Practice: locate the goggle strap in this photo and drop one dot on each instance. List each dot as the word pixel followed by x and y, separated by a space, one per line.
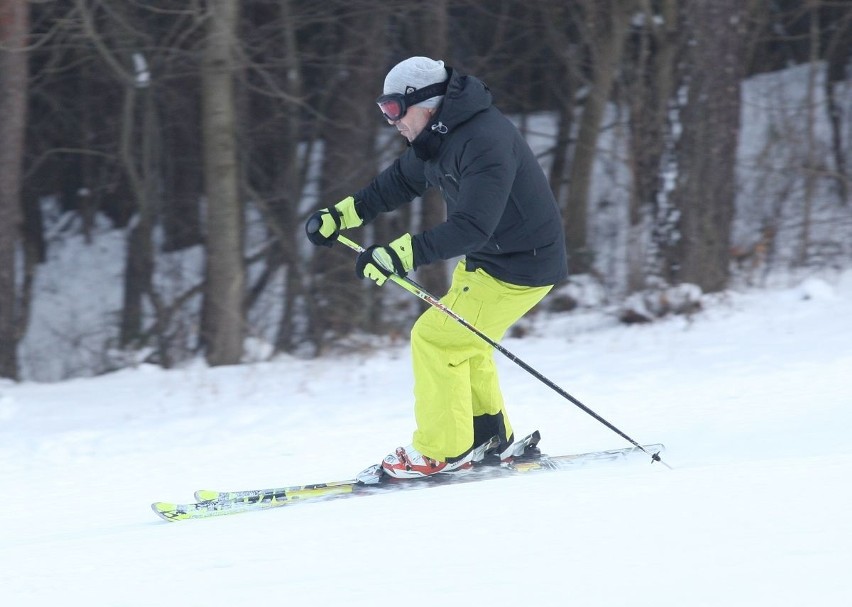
pixel 427 92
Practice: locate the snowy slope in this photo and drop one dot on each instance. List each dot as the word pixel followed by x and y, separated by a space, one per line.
pixel 753 398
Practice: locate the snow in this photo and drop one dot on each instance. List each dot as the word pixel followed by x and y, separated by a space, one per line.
pixel 751 396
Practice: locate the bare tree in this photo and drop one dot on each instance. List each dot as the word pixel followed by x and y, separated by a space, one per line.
pixel 838 56
pixel 705 184
pixel 224 294
pixel 120 47
pixel 810 162
pixel 559 32
pixel 606 25
pixel 13 104
pixel 650 85
pixel 348 130
pixel 280 143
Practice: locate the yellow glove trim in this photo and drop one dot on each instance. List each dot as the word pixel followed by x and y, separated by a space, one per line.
pixel 403 247
pixel 327 227
pixel 374 273
pixel 348 215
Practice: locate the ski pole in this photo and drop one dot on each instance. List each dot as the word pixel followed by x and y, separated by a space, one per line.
pixel 414 288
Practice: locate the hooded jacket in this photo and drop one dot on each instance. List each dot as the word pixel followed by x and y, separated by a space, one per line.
pixel 501 214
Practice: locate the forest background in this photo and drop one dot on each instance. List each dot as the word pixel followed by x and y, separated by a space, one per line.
pixel 196 136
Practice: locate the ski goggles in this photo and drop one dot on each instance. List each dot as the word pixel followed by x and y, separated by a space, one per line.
pixel 395 105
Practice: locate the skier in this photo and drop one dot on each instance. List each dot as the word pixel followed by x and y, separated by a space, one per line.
pixel 501 217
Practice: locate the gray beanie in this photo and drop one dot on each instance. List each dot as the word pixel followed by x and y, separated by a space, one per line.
pixel 415 73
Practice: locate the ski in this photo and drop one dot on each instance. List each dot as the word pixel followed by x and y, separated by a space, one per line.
pixel 527 446
pixel 372 481
pixel 250 500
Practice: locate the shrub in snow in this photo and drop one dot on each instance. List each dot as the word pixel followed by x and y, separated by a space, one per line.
pixel 657 302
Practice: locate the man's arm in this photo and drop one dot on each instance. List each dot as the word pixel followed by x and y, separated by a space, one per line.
pixel 401 182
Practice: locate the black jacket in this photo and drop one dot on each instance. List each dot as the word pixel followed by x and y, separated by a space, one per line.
pixel 501 214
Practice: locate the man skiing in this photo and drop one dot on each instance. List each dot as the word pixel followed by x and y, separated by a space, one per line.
pixel 501 217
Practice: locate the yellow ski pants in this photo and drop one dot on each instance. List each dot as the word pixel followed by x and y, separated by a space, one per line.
pixel 455 377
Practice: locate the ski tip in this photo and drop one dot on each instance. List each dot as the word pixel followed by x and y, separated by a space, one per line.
pixel 167 511
pixel 206 495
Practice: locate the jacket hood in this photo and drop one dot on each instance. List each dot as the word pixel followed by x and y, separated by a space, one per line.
pixel 466 97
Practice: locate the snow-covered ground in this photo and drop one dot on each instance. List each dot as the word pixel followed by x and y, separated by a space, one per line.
pixel 752 396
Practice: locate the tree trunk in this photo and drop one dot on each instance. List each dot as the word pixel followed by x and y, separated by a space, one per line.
pixel 652 84
pixel 288 184
pixel 810 163
pixel 556 20
pixel 705 185
pixel 558 168
pixel 607 24
pixel 224 315
pixel 182 186
pixel 837 58
pixel 137 156
pixel 14 17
